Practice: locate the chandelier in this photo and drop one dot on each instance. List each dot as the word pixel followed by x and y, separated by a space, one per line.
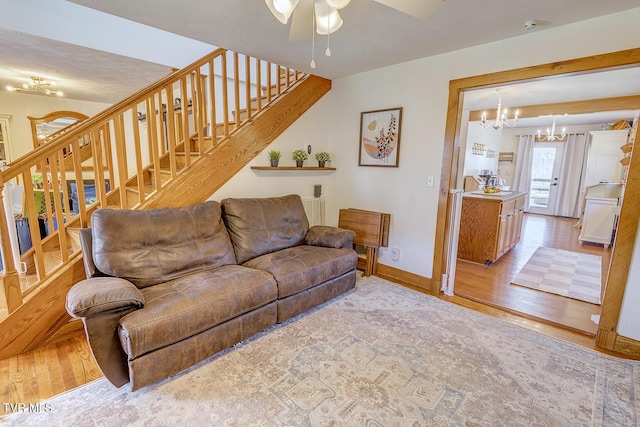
pixel 551 133
pixel 37 85
pixel 501 118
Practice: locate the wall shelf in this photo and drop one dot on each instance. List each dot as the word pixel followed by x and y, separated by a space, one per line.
pixel 291 168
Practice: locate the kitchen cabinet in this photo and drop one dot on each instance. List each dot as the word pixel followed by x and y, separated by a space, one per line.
pixel 490 225
pixel 603 164
pixel 600 215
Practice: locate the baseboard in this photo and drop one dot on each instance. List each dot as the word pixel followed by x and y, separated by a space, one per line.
pixel 627 346
pixel 404 277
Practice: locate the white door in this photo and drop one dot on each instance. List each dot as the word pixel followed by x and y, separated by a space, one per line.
pixel 545 172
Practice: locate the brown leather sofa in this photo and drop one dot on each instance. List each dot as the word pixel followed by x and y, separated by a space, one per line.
pixel 167 288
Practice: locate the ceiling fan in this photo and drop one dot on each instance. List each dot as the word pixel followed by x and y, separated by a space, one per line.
pixel 326 18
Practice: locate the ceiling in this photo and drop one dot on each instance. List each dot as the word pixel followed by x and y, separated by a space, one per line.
pixel 373 36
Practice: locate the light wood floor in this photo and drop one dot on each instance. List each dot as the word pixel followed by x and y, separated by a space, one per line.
pixel 46 372
pixel 491 284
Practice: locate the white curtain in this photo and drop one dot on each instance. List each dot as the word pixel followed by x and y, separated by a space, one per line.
pixel 574 162
pixel 522 178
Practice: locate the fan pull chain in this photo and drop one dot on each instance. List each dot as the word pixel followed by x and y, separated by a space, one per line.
pixel 313 40
pixel 328 51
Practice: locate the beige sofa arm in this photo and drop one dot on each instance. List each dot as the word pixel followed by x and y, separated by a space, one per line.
pixel 330 237
pixel 102 294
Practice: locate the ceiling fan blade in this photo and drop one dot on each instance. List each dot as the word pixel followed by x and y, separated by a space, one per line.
pixel 418 8
pixel 301 21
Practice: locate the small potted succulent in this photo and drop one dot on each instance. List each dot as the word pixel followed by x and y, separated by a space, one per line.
pixel 274 158
pixel 322 157
pixel 299 156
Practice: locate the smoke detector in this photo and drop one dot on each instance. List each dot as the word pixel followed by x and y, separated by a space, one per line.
pixel 530 24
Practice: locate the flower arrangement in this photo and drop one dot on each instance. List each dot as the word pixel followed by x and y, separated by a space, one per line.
pixel 299 155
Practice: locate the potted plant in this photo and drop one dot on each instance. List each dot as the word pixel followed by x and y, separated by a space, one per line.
pixel 322 157
pixel 274 157
pixel 299 156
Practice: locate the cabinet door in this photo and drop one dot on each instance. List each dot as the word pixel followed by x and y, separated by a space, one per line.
pixel 518 216
pixel 599 219
pixel 503 235
pixel 603 164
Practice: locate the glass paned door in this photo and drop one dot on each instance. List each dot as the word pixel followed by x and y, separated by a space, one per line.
pixel 545 170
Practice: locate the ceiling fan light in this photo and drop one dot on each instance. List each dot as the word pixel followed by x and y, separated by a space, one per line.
pixel 282 9
pixel 328 19
pixel 338 4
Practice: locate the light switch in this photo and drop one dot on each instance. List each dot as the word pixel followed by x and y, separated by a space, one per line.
pixel 430 181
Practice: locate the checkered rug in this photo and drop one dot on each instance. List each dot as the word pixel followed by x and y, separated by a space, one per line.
pixel 566 273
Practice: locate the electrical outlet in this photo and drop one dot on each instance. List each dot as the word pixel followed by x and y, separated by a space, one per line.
pixel 395 254
pixel 430 181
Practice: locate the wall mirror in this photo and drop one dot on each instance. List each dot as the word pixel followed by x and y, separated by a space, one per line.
pixel 45 128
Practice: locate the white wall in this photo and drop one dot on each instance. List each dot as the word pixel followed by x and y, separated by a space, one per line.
pixel 19 106
pixel 311 129
pixel 629 322
pixel 491 139
pixel 421 88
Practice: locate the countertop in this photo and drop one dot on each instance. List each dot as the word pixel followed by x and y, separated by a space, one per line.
pixel 501 196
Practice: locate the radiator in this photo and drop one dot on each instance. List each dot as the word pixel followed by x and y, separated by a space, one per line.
pixel 314 208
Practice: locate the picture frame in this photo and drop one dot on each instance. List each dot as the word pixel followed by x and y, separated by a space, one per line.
pixel 380 137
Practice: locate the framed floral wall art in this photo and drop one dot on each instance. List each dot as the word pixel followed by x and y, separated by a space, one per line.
pixel 380 137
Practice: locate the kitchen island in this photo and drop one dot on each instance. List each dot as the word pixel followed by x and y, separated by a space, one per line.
pixel 490 225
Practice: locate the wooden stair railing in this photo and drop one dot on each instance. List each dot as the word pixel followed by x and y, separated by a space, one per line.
pixel 142 154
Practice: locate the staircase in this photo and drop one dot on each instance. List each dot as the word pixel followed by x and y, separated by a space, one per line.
pixel 172 144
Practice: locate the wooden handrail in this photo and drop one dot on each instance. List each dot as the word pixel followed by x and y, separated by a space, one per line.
pixel 126 154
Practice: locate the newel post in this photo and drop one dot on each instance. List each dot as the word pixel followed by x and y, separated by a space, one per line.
pixel 10 278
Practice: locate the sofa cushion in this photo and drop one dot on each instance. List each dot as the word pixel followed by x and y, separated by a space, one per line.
pixel 189 305
pixel 302 267
pixel 153 246
pixel 260 226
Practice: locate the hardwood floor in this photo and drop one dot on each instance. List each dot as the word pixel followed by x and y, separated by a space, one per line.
pixel 48 371
pixel 491 284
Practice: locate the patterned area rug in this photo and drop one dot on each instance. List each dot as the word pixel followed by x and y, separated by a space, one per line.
pixel 381 355
pixel 566 273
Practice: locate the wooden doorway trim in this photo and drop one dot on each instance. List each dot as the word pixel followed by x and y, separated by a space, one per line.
pixel 621 257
